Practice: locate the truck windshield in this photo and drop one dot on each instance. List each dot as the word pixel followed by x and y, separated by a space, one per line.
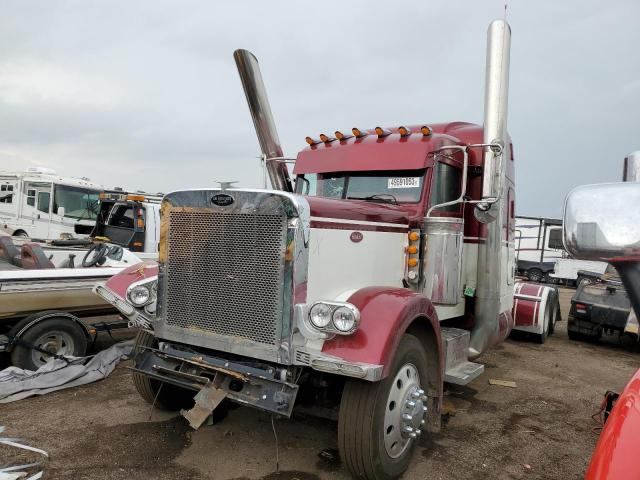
pixel 404 186
pixel 80 203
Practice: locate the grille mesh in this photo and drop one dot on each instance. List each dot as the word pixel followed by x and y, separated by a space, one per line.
pixel 224 273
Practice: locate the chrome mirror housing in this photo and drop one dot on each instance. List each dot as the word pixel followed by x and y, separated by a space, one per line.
pixel 602 222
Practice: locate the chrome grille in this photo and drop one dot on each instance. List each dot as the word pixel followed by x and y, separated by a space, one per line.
pixel 224 274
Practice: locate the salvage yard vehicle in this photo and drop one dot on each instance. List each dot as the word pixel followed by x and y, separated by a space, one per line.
pixel 599 305
pixel 541 256
pixel 41 204
pixel 600 226
pixel 46 288
pixel 383 270
pixel 44 298
pixel 131 220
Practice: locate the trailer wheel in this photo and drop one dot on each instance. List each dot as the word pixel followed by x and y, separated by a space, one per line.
pixel 57 335
pixel 160 394
pixel 20 233
pixel 379 422
pixel 534 274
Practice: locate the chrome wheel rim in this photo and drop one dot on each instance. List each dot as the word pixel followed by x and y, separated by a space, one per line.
pixel 404 411
pixel 56 342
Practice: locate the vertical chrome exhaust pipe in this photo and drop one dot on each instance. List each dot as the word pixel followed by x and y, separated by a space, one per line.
pixel 631 171
pixel 256 94
pixel 489 328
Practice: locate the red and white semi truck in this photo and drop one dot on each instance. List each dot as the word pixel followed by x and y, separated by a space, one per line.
pixel 383 269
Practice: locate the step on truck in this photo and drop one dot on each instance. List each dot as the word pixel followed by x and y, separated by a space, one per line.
pixel 384 268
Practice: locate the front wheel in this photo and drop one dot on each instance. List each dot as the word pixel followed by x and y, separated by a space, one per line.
pixel 379 422
pixel 159 394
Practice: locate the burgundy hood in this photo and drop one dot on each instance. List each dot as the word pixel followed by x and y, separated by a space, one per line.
pixel 363 210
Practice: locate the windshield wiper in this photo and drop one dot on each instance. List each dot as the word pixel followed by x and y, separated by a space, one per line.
pixel 380 197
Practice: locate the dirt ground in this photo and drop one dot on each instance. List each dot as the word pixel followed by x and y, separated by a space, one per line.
pixel 541 429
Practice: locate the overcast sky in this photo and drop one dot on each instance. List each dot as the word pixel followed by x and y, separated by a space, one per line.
pixel 145 94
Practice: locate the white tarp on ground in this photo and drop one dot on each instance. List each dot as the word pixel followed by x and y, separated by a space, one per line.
pixel 16 383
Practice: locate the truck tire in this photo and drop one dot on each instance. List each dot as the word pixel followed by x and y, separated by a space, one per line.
pixel 159 394
pixel 555 310
pixel 375 417
pixel 20 233
pixel 534 274
pixel 542 337
pixel 59 335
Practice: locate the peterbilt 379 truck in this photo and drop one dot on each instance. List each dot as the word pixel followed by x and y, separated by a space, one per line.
pixel 382 269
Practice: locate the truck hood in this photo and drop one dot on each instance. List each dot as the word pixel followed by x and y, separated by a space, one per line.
pixel 362 210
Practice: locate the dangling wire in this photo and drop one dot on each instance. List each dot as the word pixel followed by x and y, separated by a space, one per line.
pixel 275 434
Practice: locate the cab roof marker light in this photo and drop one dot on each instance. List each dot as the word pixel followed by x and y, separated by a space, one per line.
pixel 404 131
pixel 342 136
pixel 326 139
pixel 359 133
pixel 426 131
pixel 382 132
pixel 311 141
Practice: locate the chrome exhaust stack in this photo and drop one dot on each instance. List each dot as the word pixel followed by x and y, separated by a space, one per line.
pixel 491 274
pixel 256 94
pixel 631 171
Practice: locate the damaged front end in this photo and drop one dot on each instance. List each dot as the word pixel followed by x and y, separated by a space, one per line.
pixel 259 385
pixel 133 292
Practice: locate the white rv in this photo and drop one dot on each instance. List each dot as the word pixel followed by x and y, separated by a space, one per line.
pixel 540 252
pixel 38 203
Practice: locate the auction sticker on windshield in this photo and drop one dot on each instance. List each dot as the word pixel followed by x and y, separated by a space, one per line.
pixel 404 182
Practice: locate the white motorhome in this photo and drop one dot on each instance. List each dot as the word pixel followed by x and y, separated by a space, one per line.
pixel 38 203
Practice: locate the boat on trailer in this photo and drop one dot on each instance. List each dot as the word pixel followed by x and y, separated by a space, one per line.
pixel 45 292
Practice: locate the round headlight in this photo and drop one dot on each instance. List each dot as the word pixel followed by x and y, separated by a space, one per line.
pixel 320 315
pixel 139 295
pixel 344 319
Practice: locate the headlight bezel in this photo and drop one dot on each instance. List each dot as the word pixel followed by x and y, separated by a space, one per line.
pixel 147 284
pixel 331 327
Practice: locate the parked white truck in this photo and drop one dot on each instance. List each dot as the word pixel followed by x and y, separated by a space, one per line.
pixel 39 203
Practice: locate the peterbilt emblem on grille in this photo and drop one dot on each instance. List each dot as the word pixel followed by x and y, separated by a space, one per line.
pixel 222 200
pixel 356 237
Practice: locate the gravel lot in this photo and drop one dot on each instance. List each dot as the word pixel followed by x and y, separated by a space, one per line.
pixel 541 429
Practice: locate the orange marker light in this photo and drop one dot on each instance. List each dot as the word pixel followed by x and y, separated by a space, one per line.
pixel 358 133
pixel 404 131
pixel 324 138
pixel 426 131
pixel 414 236
pixel 412 249
pixel 412 262
pixel 382 132
pixel 310 141
pixel 339 135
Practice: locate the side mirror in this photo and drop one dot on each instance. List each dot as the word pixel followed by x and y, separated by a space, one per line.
pixel 602 222
pixel 60 211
